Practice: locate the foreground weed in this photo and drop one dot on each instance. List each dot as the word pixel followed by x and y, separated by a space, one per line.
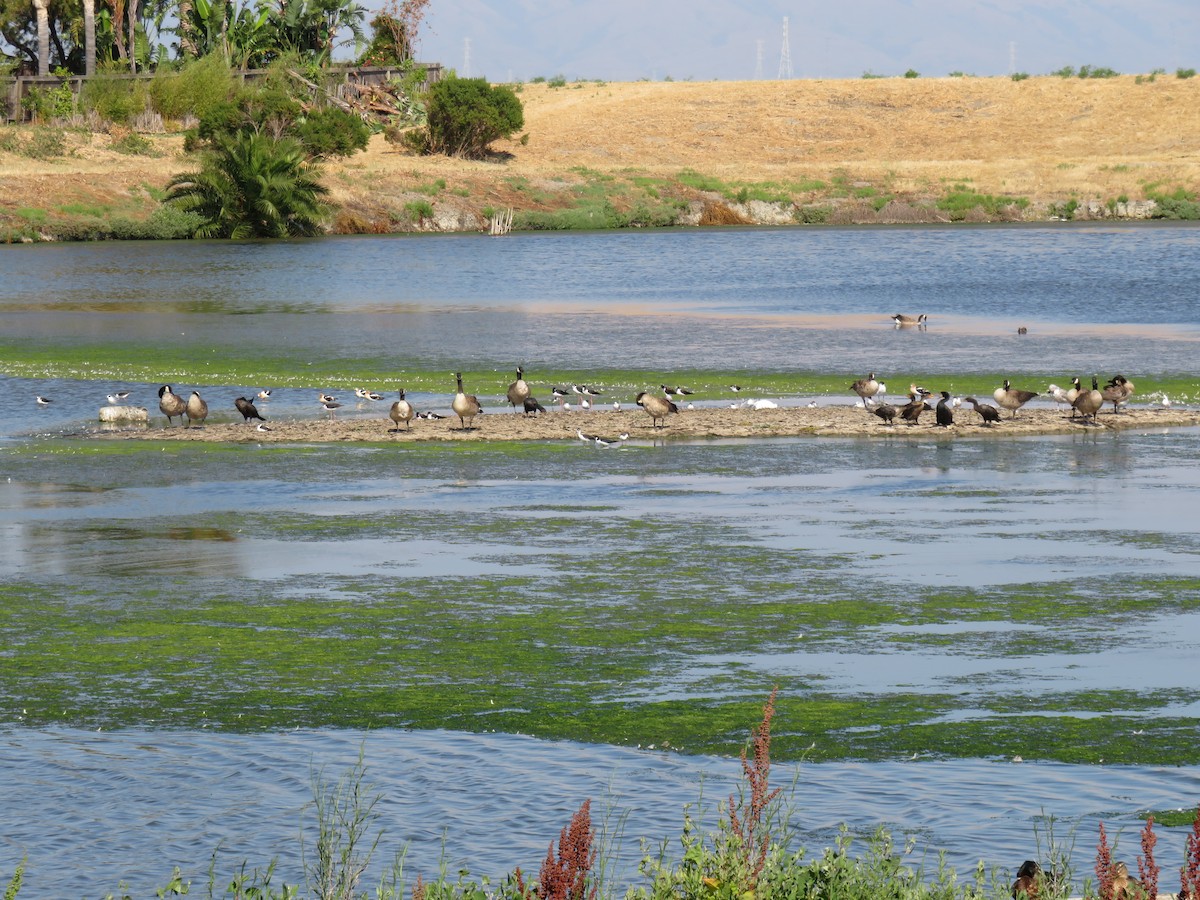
pixel 346 817
pixel 1189 875
pixel 14 883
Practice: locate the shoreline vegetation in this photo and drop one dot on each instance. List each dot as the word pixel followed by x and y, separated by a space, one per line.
pixel 596 155
pixel 750 851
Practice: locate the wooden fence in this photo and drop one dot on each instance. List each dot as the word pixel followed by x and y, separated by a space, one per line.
pixel 338 78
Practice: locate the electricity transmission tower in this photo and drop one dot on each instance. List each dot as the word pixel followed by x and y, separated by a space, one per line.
pixel 785 54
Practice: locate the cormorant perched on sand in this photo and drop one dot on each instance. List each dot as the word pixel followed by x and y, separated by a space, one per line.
pixel 887 412
pixel 532 407
pixel 945 416
pixel 247 409
pixel 986 411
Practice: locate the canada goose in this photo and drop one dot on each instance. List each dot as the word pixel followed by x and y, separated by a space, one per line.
pixel 887 412
pixel 43 401
pixel 118 398
pixel 1089 402
pixel 518 390
pixel 1073 394
pixel 945 416
pixel 330 406
pixel 532 407
pixel 170 404
pixel 247 409
pixel 1117 391
pixel 1010 398
pixel 675 391
pixel 986 411
pixel 196 409
pixel 911 412
pixel 866 388
pixel 402 411
pixel 903 321
pixel 658 408
pixel 465 406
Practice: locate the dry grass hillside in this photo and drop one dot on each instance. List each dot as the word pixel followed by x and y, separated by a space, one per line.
pixel 862 145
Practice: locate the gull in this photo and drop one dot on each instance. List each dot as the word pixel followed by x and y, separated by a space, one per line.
pixel 1166 401
pixel 118 398
pixel 616 406
pixel 764 404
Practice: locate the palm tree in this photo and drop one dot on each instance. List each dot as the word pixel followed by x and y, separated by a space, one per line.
pixel 252 185
pixel 42 9
pixel 89 37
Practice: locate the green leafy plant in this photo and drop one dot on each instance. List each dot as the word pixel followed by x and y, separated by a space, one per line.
pixel 912 73
pixel 1019 76
pixel 330 132
pixel 464 116
pixel 1065 72
pixel 14 883
pixel 347 832
pixel 1185 73
pixel 252 185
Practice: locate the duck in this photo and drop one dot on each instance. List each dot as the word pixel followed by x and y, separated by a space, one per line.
pixel 518 390
pixel 1118 390
pixel 986 411
pixel 887 412
pixel 866 388
pixel 658 408
pixel 911 412
pixel 402 411
pixel 903 321
pixel 1088 403
pixel 247 409
pixel 1011 398
pixel 945 416
pixel 532 407
pixel 196 409
pixel 1030 881
pixel 465 406
pixel 170 403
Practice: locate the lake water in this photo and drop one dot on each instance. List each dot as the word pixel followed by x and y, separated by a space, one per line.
pixel 903 518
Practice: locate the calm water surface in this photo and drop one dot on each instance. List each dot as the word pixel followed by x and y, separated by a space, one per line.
pixel 90 809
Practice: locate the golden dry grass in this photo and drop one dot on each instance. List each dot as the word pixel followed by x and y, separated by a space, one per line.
pixel 1044 139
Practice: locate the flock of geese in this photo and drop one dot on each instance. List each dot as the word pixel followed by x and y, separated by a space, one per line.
pixel 1083 402
pixel 871 393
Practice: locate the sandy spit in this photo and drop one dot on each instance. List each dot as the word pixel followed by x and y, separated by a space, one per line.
pixel 830 421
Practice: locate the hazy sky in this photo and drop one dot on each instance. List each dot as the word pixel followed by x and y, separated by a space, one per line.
pixel 627 40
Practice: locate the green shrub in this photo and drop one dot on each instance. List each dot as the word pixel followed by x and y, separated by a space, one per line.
pixel 9 142
pixel 869 74
pixel 1019 76
pixel 331 132
pixel 538 79
pixel 1180 204
pixel 194 89
pixel 466 114
pixel 419 210
pixel 1097 72
pixel 1064 211
pixel 134 144
pixel 434 188
pixel 961 199
pixel 912 73
pixel 813 215
pixel 1185 73
pixel 557 81
pixel 113 99
pixel 45 104
pixel 1065 72
pixel 45 143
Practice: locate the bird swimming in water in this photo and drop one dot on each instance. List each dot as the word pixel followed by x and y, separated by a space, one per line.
pixel 945 416
pixel 196 409
pixel 170 403
pixel 43 401
pixel 658 408
pixel 247 409
pixel 264 394
pixel 903 321
pixel 986 411
pixel 465 406
pixel 402 411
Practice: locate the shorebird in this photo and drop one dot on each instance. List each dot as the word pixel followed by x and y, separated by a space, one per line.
pixel 262 427
pixel 327 398
pixel 264 395
pixel 373 396
pixel 518 390
pixel 118 398
pixel 402 411
pixel 559 394
pixel 465 406
pixel 330 406
pixel 616 406
pixel 866 388
pixel 196 409
pixel 170 403
pixel 1011 398
pixel 43 401
pixel 612 442
pixel 675 391
pixel 987 412
pixel 658 408
pixel 736 388
pixel 586 438
pixel 247 409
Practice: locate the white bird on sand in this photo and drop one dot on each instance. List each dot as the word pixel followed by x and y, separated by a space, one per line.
pixel 262 427
pixel 812 404
pixel 616 406
pixel 764 404
pixel 1166 401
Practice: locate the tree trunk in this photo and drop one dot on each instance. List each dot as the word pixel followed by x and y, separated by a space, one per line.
pixel 89 37
pixel 187 45
pixel 42 8
pixel 132 12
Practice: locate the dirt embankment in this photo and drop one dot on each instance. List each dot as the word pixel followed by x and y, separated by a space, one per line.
pixel 861 150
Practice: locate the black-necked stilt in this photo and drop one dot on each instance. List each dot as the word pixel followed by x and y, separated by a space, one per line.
pixel 586 438
pixel 247 409
pixel 675 391
pixel 658 408
pixel 430 414
pixel 589 391
pixel 612 442
pixel 736 388
pixel 196 409
pixel 170 403
pixel 1010 398
pixel 43 401
pixel 559 394
pixel 465 406
pixel 402 411
pixel 330 406
pixel 518 391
